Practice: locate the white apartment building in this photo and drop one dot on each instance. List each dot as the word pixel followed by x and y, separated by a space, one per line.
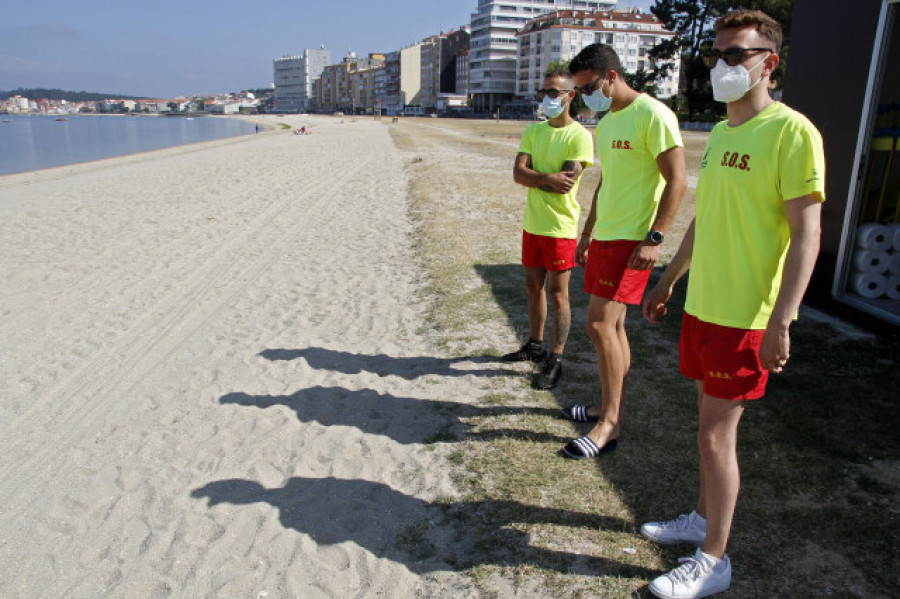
pixel 294 76
pixel 402 80
pixel 559 36
pixel 493 45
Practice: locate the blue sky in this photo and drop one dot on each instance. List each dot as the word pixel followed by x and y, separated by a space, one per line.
pixel 167 49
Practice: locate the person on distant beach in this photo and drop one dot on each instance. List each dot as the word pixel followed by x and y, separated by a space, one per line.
pixel 751 250
pixel 551 158
pixel 642 182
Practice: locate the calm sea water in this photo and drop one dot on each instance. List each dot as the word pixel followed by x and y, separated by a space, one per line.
pixel 34 142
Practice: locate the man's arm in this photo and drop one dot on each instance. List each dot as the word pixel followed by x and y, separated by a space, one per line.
pixel 655 302
pixel 804 219
pixel 524 174
pixel 585 240
pixel 671 167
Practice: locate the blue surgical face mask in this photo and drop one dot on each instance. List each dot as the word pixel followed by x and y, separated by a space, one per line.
pixel 552 107
pixel 597 101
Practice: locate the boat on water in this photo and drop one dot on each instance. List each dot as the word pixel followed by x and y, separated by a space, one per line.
pixel 62 119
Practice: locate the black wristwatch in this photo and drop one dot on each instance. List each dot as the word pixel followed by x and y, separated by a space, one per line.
pixel 655 237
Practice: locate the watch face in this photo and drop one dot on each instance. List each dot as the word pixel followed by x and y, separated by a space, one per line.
pixel 655 236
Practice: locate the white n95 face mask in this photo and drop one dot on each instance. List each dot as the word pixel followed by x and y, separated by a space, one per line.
pixel 731 83
pixel 552 107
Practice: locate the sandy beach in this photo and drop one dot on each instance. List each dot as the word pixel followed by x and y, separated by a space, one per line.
pixel 215 378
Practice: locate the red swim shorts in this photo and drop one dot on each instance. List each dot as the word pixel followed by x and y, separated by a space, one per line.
pixel 551 253
pixel 607 275
pixel 724 358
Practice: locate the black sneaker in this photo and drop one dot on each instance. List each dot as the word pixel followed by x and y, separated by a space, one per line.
pixel 532 350
pixel 548 375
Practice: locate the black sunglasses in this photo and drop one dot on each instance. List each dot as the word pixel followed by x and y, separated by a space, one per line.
pixel 732 56
pixel 552 92
pixel 588 89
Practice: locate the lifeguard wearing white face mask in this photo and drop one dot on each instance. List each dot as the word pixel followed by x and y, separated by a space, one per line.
pixel 732 83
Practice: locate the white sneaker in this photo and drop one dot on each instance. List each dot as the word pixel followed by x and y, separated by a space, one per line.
pixel 698 576
pixel 686 528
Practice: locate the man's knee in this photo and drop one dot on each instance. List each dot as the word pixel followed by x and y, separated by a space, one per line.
pixel 715 444
pixel 599 329
pixel 560 299
pixel 534 286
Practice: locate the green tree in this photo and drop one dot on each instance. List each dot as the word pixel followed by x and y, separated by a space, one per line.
pixel 692 21
pixel 643 80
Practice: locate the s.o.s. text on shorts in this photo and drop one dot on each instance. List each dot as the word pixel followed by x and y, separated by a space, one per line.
pixel 551 253
pixel 726 359
pixel 607 275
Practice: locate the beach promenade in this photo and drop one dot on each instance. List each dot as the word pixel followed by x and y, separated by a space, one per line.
pixel 215 381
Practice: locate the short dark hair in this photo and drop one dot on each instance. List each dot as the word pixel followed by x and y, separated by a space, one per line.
pixel 557 72
pixel 598 58
pixel 763 23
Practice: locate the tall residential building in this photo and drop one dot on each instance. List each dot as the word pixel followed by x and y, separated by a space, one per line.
pixel 559 36
pixel 462 72
pixel 439 55
pixel 402 79
pixel 336 89
pixel 492 60
pixel 429 75
pixel 294 76
pixel 363 84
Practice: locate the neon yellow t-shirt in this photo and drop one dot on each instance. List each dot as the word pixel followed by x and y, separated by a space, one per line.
pixel 741 235
pixel 547 213
pixel 628 142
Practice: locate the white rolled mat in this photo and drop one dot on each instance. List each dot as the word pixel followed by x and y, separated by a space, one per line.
pixel 893 287
pixel 873 236
pixel 871 261
pixel 894 263
pixel 869 285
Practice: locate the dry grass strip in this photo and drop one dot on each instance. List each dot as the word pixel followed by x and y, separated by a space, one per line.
pixel 820 456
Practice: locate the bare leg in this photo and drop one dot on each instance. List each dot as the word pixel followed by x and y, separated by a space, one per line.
pixel 562 312
pixel 720 475
pixel 606 328
pixel 701 500
pixel 537 301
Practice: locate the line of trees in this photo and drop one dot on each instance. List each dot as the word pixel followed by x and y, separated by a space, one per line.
pixel 37 93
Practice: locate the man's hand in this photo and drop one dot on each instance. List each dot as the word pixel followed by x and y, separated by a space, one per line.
pixel 644 256
pixel 561 182
pixel 654 306
pixel 775 348
pixel 581 251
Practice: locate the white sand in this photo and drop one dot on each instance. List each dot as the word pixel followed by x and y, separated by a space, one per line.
pixel 214 381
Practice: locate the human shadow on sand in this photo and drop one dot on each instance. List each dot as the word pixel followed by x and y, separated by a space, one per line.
pixel 423 536
pixel 321 358
pixel 403 419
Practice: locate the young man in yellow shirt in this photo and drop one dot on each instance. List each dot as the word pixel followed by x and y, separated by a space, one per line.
pixel 551 157
pixel 642 182
pixel 751 251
